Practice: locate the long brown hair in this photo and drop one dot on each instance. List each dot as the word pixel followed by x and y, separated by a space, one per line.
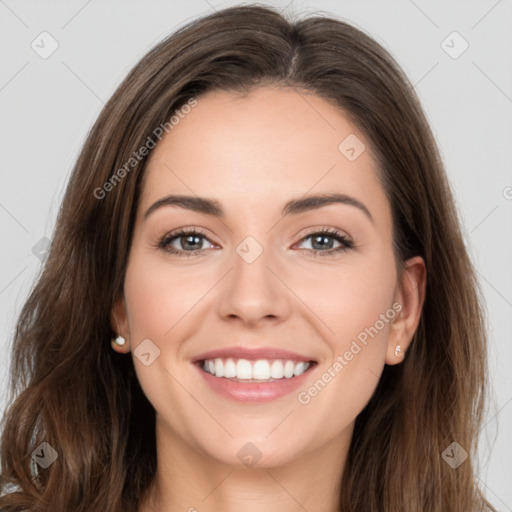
pixel 70 390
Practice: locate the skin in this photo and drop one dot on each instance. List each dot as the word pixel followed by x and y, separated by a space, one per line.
pixel 253 154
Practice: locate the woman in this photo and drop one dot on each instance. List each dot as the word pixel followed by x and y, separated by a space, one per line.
pixel 322 345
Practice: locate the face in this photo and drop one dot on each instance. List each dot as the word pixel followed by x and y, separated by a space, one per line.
pixel 317 281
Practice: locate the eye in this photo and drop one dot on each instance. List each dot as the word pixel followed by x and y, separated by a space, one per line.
pixel 190 242
pixel 322 242
pixel 185 239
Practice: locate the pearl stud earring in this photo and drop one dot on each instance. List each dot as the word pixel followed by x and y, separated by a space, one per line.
pixel 119 341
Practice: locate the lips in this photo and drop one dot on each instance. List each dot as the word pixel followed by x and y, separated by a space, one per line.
pixel 288 370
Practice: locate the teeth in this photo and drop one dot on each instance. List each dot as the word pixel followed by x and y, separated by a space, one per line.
pixel 299 368
pixel 219 368
pixel 277 370
pixel 261 369
pixel 288 369
pixel 229 369
pixel 243 369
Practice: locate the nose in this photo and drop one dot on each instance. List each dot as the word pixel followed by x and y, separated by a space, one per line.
pixel 253 292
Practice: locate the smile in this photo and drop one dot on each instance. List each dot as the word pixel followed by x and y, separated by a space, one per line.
pixel 262 380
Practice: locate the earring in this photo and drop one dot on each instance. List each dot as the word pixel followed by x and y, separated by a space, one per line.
pixel 119 341
pixel 397 351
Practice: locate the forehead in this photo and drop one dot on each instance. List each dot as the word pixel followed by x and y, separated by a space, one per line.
pixel 259 149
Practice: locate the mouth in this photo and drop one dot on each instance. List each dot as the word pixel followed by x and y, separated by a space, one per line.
pixel 251 381
pixel 254 371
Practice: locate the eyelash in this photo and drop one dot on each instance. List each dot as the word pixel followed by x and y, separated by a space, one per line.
pixel 346 244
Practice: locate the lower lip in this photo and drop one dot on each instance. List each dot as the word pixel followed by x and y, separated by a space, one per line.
pixel 254 391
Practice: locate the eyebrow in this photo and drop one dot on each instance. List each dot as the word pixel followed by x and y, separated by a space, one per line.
pixel 292 207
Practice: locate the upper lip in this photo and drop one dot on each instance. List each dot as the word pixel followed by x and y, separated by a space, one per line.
pixel 252 354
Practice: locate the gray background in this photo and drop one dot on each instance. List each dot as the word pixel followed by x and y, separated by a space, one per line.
pixel 48 105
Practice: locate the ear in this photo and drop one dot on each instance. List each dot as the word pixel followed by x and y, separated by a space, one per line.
pixel 119 324
pixel 409 298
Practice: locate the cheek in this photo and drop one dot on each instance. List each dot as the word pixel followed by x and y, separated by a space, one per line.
pixel 348 297
pixel 160 295
pixel 160 304
pixel 363 298
pixel 355 303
